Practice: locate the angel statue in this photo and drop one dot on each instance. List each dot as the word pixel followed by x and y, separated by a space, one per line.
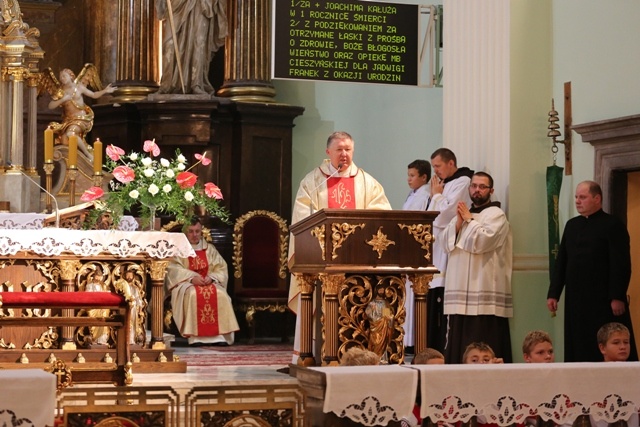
pixel 68 93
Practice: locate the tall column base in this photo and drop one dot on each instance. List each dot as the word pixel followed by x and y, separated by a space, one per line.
pixel 22 194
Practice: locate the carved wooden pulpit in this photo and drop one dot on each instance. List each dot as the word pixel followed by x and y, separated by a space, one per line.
pixel 362 258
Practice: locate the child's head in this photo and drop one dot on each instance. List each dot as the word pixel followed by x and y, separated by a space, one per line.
pixel 357 356
pixel 538 348
pixel 418 173
pixel 478 352
pixel 614 342
pixel 430 356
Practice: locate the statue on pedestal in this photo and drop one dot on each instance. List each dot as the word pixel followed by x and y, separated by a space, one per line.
pixel 380 317
pixel 68 93
pixel 193 31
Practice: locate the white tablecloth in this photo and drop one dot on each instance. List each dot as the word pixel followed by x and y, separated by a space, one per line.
pixel 370 395
pixel 29 221
pixel 55 241
pixel 509 393
pixel 29 395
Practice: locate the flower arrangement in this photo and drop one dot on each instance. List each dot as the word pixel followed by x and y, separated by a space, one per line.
pixel 155 185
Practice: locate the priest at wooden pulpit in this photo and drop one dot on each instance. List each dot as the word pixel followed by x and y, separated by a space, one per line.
pixel 336 184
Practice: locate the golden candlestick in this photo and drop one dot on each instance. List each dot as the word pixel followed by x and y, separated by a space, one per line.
pixel 97 179
pixel 48 170
pixel 72 173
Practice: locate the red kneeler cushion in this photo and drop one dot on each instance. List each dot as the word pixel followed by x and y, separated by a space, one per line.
pixel 60 299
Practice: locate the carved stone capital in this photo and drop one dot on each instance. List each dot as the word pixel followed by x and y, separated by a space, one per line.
pixel 420 283
pixel 332 282
pixel 158 269
pixel 306 282
pixel 69 268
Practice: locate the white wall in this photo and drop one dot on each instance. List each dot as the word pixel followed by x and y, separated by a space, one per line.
pixel 391 125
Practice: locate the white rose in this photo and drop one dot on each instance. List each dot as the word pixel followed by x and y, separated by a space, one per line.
pixel 165 163
pixel 188 196
pixel 148 173
pixel 134 194
pixel 181 159
pixel 181 166
pixel 170 173
pixel 166 188
pixel 153 189
pixel 133 156
pixel 147 161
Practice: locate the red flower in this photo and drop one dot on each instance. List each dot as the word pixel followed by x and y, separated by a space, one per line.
pixel 114 152
pixel 93 193
pixel 124 174
pixel 151 147
pixel 186 179
pixel 203 159
pixel 212 191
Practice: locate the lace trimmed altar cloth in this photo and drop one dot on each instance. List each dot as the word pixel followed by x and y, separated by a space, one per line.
pixel 27 397
pixel 28 221
pixel 156 244
pixel 509 393
pixel 370 395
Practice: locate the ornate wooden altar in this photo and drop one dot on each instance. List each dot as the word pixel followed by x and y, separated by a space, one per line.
pixel 54 259
pixel 360 258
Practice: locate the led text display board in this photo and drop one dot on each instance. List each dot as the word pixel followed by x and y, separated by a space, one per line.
pixel 345 40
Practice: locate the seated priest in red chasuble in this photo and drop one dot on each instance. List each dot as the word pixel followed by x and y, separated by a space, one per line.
pixel 201 307
pixel 336 184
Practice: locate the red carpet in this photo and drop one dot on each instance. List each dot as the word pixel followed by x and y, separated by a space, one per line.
pixel 240 355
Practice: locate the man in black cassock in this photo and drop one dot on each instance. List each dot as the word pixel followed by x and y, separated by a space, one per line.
pixel 594 265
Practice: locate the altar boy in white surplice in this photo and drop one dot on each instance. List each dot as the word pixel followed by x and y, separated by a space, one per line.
pixel 418 175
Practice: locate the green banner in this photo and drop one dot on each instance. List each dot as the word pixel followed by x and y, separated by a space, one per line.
pixel 554 182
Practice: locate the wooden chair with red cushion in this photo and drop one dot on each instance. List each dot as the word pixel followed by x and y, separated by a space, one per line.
pixel 260 245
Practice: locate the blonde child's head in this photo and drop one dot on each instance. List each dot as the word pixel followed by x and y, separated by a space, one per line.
pixel 614 341
pixel 430 356
pixel 537 347
pixel 479 352
pixel 357 356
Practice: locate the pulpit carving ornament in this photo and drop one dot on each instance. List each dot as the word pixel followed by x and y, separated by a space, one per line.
pixel 318 233
pixel 354 296
pixel 340 233
pixel 420 282
pixel 422 234
pixel 380 242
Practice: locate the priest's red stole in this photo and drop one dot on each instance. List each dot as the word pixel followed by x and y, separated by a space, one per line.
pixel 341 193
pixel 206 297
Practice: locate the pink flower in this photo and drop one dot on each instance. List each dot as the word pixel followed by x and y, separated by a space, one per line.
pixel 114 152
pixel 151 147
pixel 91 194
pixel 124 174
pixel 213 191
pixel 186 179
pixel 203 159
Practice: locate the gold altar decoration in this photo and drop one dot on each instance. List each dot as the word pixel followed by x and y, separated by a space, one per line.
pixel 422 234
pixel 380 242
pixel 340 233
pixel 356 294
pixel 68 93
pixel 318 233
pixel 352 277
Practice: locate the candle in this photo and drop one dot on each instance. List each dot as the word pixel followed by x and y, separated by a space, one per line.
pixel 48 145
pixel 73 150
pixel 97 156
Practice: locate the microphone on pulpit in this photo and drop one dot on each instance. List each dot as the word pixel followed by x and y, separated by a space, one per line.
pixel 311 210
pixel 55 201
